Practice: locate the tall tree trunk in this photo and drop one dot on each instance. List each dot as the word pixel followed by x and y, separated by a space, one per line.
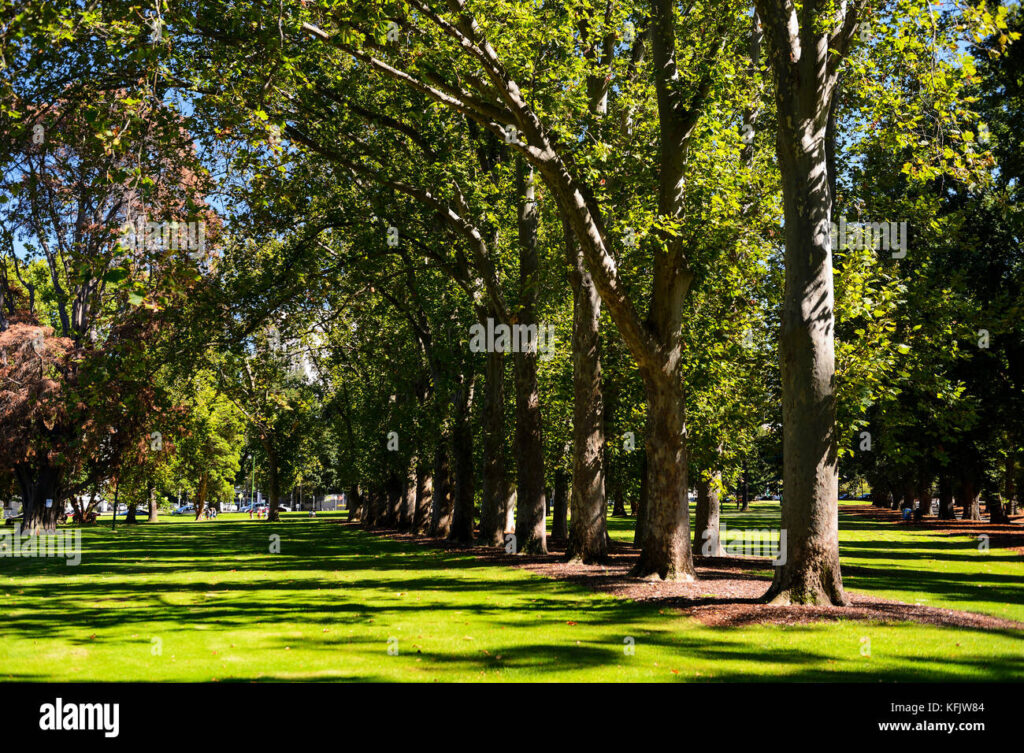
pixel 510 510
pixel 200 494
pixel 618 499
pixel 810 573
pixel 424 498
pixel 707 517
pixel 996 511
pixel 588 532
pixel 641 509
pixel 560 505
pixel 969 498
pixel 665 535
pixel 495 491
pixel 924 495
pixel 806 48
pixel 408 509
pixel 879 491
pixel 273 482
pixel 130 517
pixel 354 501
pixel 1010 481
pixel 444 496
pixel 531 524
pixel 946 509
pixel 154 508
pixel 745 489
pixel 395 495
pixel 38 485
pixel 378 504
pixel 464 510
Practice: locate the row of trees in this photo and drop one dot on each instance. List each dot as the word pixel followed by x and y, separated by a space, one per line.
pixel 658 183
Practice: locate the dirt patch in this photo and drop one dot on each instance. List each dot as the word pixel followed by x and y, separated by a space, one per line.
pixel 727 591
pixel 1000 535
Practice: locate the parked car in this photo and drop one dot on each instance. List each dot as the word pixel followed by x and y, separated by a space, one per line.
pixel 185 510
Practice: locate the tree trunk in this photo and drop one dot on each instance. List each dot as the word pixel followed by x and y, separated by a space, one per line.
pixel 946 509
pixel 641 509
pixel 495 491
pixel 395 495
pixel 354 501
pixel 531 523
pixel 560 505
pixel 588 532
pixel 464 510
pixel 618 500
pixel 970 499
pixel 745 489
pixel 408 509
pixel 201 495
pixel 376 513
pixel 996 511
pixel 1010 481
pixel 706 529
pixel 424 498
pixel 154 507
pixel 444 499
pixel 810 573
pixel 274 483
pixel 510 511
pixel 924 496
pixel 37 486
pixel 665 535
pixel 879 492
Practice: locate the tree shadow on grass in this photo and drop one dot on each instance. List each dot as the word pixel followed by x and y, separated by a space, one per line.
pixel 129 580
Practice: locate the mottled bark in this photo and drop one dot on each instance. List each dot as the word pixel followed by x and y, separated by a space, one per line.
pixel 395 497
pixel 495 481
pixel 588 532
pixel 641 509
pixel 464 510
pixel 510 511
pixel 810 573
pixel 531 528
pixel 154 508
pixel 443 500
pixel 424 499
pixel 707 517
pixel 665 535
pixel 407 512
pixel 354 501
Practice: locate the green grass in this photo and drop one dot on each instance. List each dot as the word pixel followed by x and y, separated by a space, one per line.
pixel 219 606
pixel 903 562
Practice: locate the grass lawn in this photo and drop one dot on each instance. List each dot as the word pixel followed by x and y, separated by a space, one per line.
pixel 189 601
